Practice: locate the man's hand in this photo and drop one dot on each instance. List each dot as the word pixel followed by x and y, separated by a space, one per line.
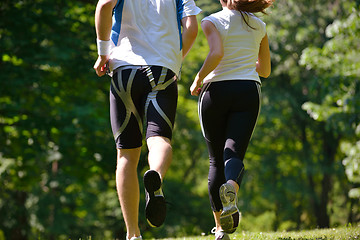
pixel 100 65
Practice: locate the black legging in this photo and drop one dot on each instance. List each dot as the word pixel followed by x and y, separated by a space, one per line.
pixel 228 113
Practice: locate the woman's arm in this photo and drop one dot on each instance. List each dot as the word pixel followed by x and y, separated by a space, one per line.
pixel 214 56
pixel 263 65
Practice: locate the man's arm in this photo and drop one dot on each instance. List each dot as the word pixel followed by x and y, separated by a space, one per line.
pixel 189 33
pixel 103 18
pixel 103 23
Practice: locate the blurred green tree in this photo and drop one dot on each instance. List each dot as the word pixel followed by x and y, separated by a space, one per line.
pixel 300 167
pixel 337 63
pixel 57 156
pixel 53 111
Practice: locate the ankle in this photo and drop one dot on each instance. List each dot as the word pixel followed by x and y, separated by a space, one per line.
pixel 219 228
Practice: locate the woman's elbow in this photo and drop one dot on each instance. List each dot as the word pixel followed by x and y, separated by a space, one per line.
pixel 263 70
pixel 217 52
pixel 265 74
pixel 218 55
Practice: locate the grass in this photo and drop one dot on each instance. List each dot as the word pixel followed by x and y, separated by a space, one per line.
pixel 343 233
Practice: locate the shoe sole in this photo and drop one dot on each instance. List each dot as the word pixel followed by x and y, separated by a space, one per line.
pixel 155 209
pixel 230 216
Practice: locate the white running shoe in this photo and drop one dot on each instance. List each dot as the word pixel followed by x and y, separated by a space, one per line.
pixel 134 238
pixel 230 215
pixel 220 235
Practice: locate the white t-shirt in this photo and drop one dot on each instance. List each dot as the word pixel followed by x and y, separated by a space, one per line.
pixel 148 32
pixel 241 46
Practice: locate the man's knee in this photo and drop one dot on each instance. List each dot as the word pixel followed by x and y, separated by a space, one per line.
pixel 158 142
pixel 128 157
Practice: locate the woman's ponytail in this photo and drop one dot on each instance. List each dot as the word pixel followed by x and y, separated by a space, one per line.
pixel 248 6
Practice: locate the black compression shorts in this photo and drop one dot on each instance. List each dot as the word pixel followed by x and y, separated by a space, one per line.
pixel 138 93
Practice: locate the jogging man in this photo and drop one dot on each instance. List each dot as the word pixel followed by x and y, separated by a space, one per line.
pixel 142 44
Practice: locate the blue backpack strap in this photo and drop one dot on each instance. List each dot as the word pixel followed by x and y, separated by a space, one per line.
pixel 117 16
pixel 179 11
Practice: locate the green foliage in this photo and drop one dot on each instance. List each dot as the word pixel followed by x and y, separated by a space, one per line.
pixel 57 155
pixel 208 6
pixel 54 161
pixel 299 158
pixel 337 62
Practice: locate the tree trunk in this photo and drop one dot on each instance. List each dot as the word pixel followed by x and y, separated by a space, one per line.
pixel 330 146
pixel 21 229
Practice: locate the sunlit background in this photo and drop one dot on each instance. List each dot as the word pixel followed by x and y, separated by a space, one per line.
pixel 57 154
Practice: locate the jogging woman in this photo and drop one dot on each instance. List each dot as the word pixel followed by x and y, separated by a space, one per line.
pixel 229 100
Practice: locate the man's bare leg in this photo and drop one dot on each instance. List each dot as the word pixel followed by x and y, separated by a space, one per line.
pixel 160 154
pixel 127 185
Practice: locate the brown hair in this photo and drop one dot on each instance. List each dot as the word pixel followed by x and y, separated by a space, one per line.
pixel 248 6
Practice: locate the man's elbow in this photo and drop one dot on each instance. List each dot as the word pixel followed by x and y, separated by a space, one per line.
pixel 192 31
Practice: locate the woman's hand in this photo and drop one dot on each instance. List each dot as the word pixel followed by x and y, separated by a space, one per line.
pixel 196 86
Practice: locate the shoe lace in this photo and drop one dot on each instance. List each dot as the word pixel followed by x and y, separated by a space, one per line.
pixel 213 231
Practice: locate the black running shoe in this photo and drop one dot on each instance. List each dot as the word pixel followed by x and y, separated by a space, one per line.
pixel 155 209
pixel 230 215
